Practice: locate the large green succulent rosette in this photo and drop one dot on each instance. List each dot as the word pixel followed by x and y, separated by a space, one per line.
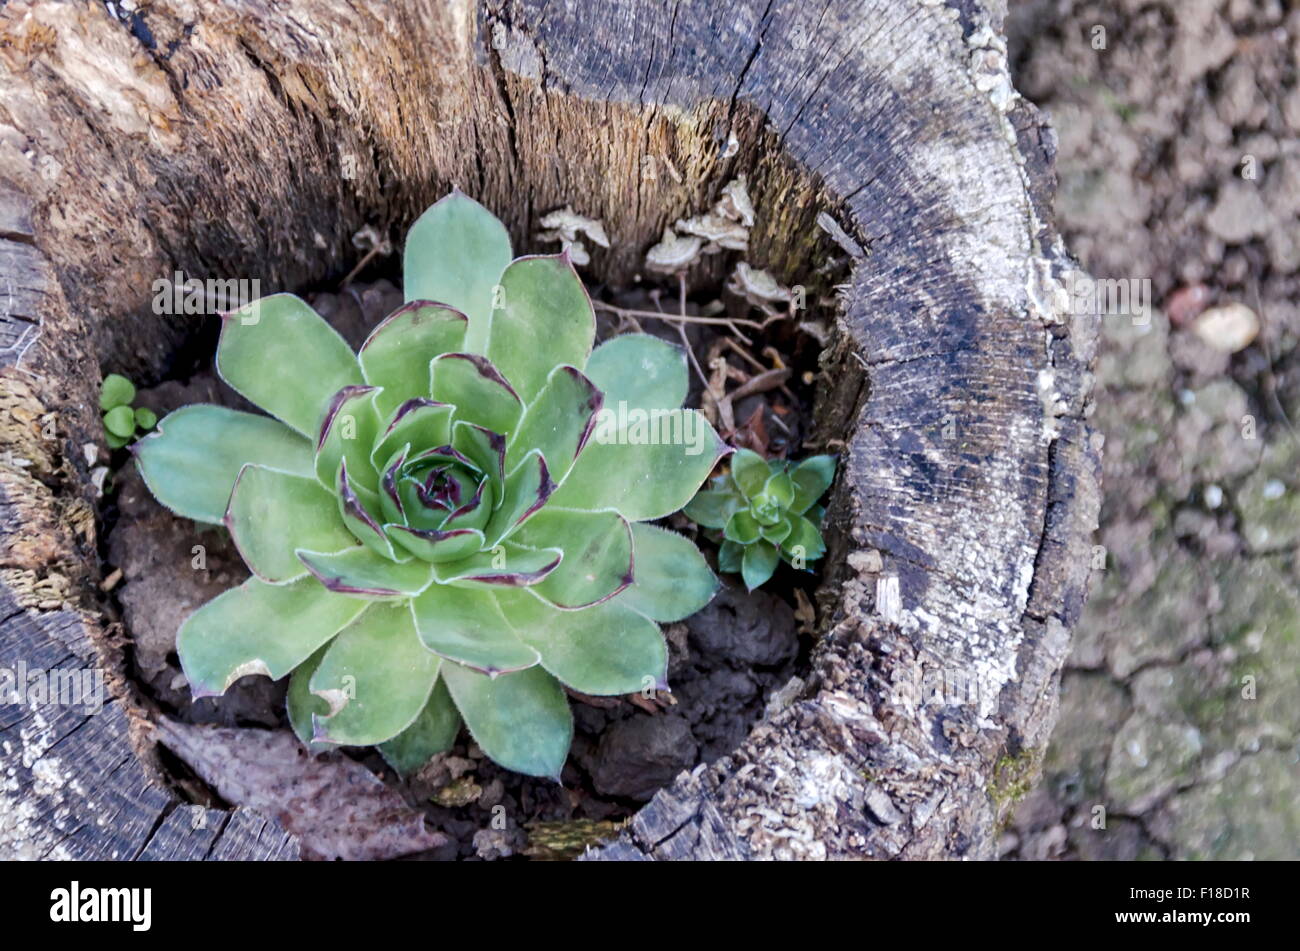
pixel 452 523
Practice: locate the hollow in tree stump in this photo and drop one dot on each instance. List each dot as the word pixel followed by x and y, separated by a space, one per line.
pixel 255 138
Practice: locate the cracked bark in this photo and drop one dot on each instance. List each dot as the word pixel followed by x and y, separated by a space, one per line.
pixel 248 142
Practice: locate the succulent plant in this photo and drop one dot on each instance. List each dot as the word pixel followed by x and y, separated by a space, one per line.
pixel 451 523
pixel 766 512
pixel 121 421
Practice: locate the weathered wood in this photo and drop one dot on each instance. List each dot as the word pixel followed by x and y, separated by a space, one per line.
pixel 72 782
pixel 73 786
pixel 253 140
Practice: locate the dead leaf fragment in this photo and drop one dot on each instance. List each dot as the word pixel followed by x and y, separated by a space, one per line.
pixel 735 203
pixel 673 253
pixel 805 613
pixel 756 286
pixel 568 223
pixel 719 231
pixel 565 225
pixel 335 807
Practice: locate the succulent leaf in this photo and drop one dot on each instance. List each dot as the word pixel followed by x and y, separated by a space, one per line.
pixel 376 677
pixel 640 371
pixel 433 732
pixel 575 645
pixel 597 561
pixel 812 477
pixel 760 560
pixel 777 531
pixel 465 625
pixel 274 513
pixel 504 566
pixel 673 580
pixel 359 572
pixel 396 355
pixel 713 508
pixel 190 462
pixel 642 480
pixel 477 389
pixel 804 540
pixel 779 489
pixel 484 448
pixel 455 253
pixel 750 472
pixel 521 720
pixel 259 628
pixel 348 431
pixel 283 356
pixel 764 509
pixel 115 391
pixel 731 556
pixel 436 545
pixel 475 512
pixel 356 507
pixel 742 528
pixel 557 422
pixel 527 489
pixel 415 422
pixel 120 421
pixel 543 319
pixel 301 703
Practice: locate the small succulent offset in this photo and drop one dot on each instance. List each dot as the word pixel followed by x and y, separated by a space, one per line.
pixel 437 527
pixel 121 421
pixel 766 511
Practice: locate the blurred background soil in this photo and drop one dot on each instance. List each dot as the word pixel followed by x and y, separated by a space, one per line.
pixel 1179 163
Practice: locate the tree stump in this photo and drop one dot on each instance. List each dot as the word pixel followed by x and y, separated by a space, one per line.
pixel 255 138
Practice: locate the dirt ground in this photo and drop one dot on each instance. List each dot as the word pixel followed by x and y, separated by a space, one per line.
pixel 1179 167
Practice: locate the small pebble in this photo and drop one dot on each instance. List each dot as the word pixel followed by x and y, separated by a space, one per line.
pixel 1187 303
pixel 867 561
pixel 1228 329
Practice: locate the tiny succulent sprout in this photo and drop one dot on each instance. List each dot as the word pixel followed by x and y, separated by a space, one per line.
pixel 433 535
pixel 116 391
pixel 765 511
pixel 121 422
